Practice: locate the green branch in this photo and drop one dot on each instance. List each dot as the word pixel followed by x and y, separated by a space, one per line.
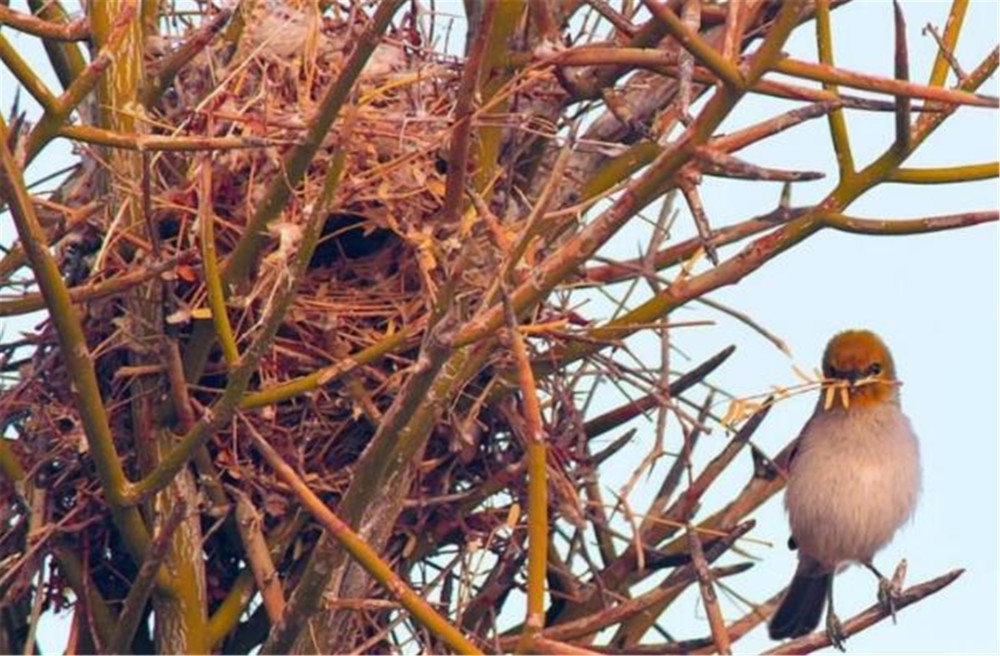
pixel 210 267
pixel 946 174
pixel 838 124
pixel 76 355
pixel 765 248
pixel 279 190
pixel 639 193
pixel 708 56
pixel 26 75
pixel 84 82
pixel 66 58
pixel 222 411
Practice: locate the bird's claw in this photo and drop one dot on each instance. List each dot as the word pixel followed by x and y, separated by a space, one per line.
pixel 835 631
pixel 888 593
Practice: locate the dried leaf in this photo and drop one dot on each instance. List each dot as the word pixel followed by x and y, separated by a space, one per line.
pixel 186 273
pixel 201 313
pixel 179 316
pixel 513 515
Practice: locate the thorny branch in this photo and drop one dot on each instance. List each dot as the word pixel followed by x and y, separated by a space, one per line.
pixel 390 246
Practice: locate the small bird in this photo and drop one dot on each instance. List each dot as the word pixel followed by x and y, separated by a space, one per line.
pixel 853 480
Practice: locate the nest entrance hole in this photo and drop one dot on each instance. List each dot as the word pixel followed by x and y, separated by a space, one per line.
pixel 349 236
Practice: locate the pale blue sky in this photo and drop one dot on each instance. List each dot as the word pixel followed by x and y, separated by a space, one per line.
pixel 933 298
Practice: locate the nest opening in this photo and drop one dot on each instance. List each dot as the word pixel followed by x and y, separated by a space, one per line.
pixel 349 236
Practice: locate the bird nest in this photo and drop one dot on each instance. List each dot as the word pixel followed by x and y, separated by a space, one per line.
pixel 375 271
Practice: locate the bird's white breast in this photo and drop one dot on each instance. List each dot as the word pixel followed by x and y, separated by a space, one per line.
pixel 853 482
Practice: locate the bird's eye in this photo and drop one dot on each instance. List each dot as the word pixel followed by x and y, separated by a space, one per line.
pixel 833 372
pixel 875 369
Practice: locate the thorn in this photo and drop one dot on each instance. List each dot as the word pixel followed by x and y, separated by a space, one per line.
pixel 785 200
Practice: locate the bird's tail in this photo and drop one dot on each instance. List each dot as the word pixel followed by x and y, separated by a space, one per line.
pixel 802 606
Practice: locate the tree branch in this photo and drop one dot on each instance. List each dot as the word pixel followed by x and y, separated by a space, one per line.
pixel 866 618
pixel 367 557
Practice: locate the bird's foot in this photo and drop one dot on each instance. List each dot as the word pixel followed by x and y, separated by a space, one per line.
pixel 888 593
pixel 835 631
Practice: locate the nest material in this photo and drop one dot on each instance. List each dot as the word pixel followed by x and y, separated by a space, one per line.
pixel 375 271
pixel 386 254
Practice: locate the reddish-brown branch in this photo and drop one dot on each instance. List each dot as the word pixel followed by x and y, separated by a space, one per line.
pixel 168 67
pixel 34 301
pixel 76 30
pixel 833 75
pixel 250 523
pixel 363 553
pixel 735 631
pixel 733 35
pixel 544 21
pixel 684 507
pixel 458 154
pixel 542 645
pixel 700 216
pixel 667 63
pixel 720 635
pixel 945 51
pixel 618 416
pixel 748 622
pixel 893 227
pixel 681 251
pixel 672 586
pixel 866 618
pixel 718 163
pixel 142 586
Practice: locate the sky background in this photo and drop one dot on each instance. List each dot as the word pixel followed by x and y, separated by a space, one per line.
pixel 933 298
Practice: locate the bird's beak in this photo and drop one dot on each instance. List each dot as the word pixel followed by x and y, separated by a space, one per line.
pixel 852 378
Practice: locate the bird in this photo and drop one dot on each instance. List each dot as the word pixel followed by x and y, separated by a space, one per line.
pixel 853 481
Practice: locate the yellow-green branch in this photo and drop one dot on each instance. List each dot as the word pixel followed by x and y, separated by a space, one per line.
pixel 711 58
pixel 395 342
pixel 26 75
pixel 84 82
pixel 946 174
pixel 399 437
pixel 538 519
pixel 142 585
pixel 639 193
pixel 783 238
pixel 838 124
pixel 294 166
pixel 939 72
pixel 210 267
pixel 77 30
pixel 421 611
pixel 66 58
pixel 154 142
pixel 32 302
pixel 73 345
pixel 219 414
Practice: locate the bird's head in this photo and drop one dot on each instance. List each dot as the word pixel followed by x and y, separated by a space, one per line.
pixel 859 369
